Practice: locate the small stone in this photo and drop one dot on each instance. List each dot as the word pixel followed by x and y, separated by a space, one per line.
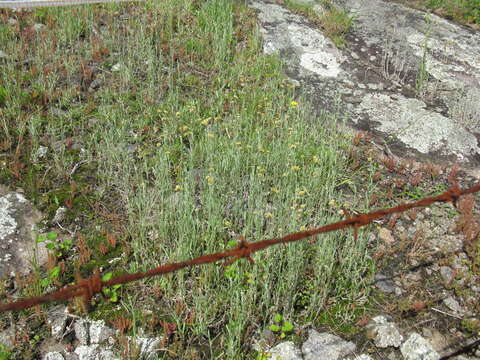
pixel 88 352
pixel 384 333
pixel 285 351
pixel 363 357
pixel 54 355
pixel 117 67
pixel 94 352
pixel 326 346
pixel 38 27
pixel 40 153
pixel 417 348
pixel 412 277
pixel 384 284
pixel 95 84
pixel 57 319
pixel 7 337
pixel 12 21
pixel 17 238
pixel 3 55
pixel 81 328
pixel 453 305
pixel 354 55
pixel 148 347
pixel 99 333
pixel 435 338
pixel 373 58
pixel 386 236
pixel 59 215
pixel 447 274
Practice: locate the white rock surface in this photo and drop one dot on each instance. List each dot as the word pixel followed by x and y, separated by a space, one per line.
pixel 54 355
pixel 82 332
pixel 57 319
pixel 17 239
pixel 326 346
pixel 417 348
pixel 94 352
pixel 99 332
pixel 148 347
pixel 384 332
pixel 285 351
pixel 453 305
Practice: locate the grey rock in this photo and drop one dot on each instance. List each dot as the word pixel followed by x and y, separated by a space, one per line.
pixel 384 284
pixel 38 27
pixel 394 43
pixel 386 236
pixel 90 332
pixel 326 346
pixel 96 83
pixel 100 333
pixel 417 348
pixel 12 21
pixel 283 31
pixel 40 153
pixel 285 351
pixel 3 55
pixel 17 240
pixel 362 357
pixel 117 67
pixel 7 337
pixel 438 341
pixel 149 347
pixel 59 215
pixel 453 305
pixel 384 333
pixel 408 118
pixel 54 355
pixel 57 319
pixel 82 333
pixel 447 274
pixel 94 352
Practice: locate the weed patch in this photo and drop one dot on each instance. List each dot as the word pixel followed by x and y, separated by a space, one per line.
pixel 168 135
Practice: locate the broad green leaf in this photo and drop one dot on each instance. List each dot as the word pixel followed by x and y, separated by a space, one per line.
pixel 287 326
pixel 54 272
pixel 52 236
pixel 277 318
pixel 274 328
pixel 41 238
pixel 107 276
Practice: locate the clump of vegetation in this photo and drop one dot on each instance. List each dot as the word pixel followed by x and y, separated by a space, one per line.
pixel 281 326
pixel 459 10
pixel 169 135
pixel 334 21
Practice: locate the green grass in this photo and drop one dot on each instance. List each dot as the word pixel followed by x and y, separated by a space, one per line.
pixel 460 10
pixel 335 22
pixel 465 12
pixel 193 139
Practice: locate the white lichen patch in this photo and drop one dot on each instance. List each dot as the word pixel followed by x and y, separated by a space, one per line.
pixel 409 121
pixel 8 225
pixel 282 30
